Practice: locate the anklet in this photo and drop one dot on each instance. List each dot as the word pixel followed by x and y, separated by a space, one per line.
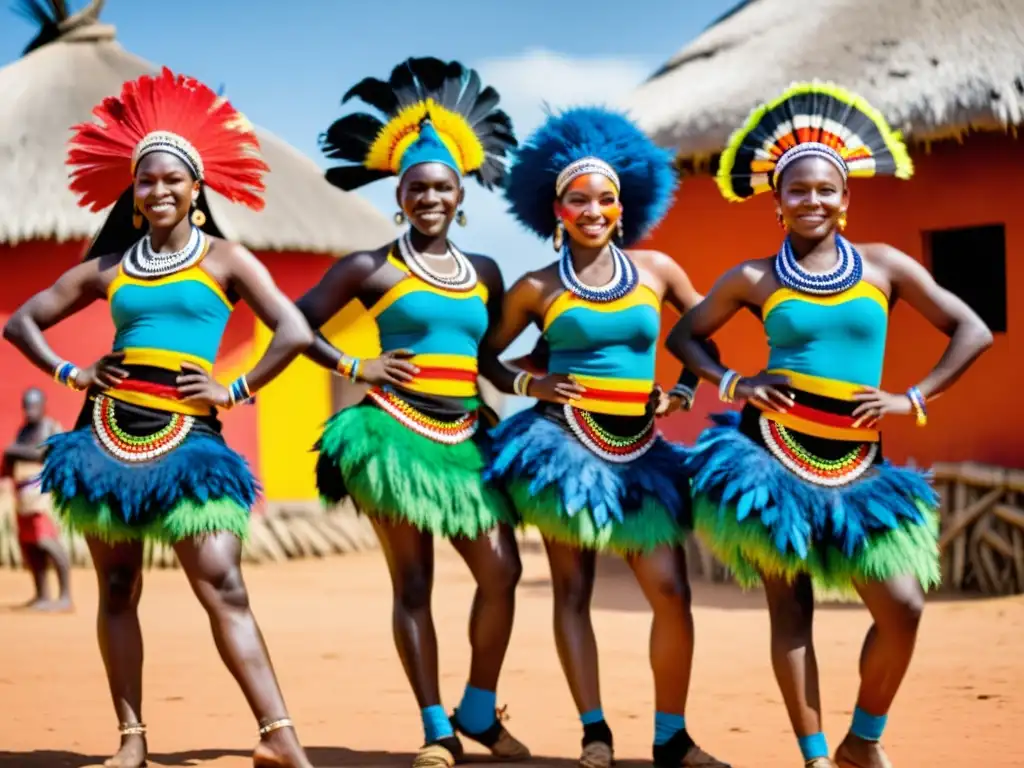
pixel 284 722
pixel 132 729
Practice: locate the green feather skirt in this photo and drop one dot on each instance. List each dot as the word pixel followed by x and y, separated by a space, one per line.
pixel 393 473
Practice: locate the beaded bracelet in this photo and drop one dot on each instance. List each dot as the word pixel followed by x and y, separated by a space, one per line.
pixel 521 384
pixel 238 392
pixel 67 374
pixel 917 400
pixel 349 367
pixel 727 386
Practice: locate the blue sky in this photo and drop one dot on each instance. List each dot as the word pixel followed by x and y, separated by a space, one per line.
pixel 286 65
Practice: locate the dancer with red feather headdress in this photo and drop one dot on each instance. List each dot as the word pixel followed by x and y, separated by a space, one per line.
pixel 146 459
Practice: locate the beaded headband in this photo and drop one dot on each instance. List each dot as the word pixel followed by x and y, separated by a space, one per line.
pixel 582 167
pixel 172 143
pixel 810 149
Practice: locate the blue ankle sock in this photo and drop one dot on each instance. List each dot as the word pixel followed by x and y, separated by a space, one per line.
pixel 813 746
pixel 436 725
pixel 476 712
pixel 867 727
pixel 592 717
pixel 666 726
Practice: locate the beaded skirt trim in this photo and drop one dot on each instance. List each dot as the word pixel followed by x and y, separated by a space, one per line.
pixel 124 446
pixel 793 453
pixel 602 442
pixel 449 432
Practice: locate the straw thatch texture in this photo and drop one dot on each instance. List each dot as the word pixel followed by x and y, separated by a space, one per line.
pixel 55 86
pixel 935 68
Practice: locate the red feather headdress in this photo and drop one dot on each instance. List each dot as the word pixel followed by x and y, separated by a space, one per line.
pixel 168 113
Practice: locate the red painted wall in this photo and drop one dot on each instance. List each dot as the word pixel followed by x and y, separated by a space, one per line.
pixel 955 185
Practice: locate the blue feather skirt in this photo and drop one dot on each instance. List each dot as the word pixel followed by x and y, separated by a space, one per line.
pixel 128 472
pixel 777 503
pixel 574 492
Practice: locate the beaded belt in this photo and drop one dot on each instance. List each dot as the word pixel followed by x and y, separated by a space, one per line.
pixel 787 448
pixel 136 448
pixel 439 430
pixel 600 441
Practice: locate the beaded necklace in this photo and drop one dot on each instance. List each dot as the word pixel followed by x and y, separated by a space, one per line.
pixel 142 261
pixel 844 275
pixel 624 277
pixel 462 279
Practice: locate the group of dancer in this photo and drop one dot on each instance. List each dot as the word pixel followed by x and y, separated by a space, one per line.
pixel 790 491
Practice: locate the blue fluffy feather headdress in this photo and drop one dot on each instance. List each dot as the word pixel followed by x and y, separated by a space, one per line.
pixel 646 177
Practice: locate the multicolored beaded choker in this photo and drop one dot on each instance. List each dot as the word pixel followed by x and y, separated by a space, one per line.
pixel 624 277
pixel 843 276
pixel 448 432
pixel 136 448
pixel 600 441
pixel 814 469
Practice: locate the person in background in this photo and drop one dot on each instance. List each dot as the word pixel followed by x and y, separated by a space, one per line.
pixel 38 535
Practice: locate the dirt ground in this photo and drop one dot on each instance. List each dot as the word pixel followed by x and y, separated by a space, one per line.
pixel 328 626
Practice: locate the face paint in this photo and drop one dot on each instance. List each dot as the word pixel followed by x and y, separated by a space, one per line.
pixel 590 210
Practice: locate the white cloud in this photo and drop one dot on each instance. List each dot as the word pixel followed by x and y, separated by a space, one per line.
pixel 536 77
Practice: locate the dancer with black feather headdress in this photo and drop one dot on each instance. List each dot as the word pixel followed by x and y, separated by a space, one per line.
pixel 793 489
pixel 587 465
pixel 409 454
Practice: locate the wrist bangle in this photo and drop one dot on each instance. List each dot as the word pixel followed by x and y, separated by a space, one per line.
pixel 684 393
pixel 918 402
pixel 521 383
pixel 727 386
pixel 238 392
pixel 67 374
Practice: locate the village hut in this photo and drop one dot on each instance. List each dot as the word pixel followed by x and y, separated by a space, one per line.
pixel 949 74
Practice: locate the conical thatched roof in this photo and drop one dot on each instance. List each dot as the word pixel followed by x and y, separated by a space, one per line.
pixel 75 63
pixel 935 68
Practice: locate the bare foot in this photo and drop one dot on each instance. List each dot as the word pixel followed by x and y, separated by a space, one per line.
pixel 280 749
pixel 132 753
pixel 858 753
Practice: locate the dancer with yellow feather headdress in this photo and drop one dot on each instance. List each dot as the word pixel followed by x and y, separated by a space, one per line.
pixel 409 454
pixel 793 490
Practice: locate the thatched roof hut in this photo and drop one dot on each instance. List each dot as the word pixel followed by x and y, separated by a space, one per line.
pixel 935 68
pixel 73 64
pixel 950 75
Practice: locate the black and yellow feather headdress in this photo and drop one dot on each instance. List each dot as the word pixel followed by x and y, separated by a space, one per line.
pixel 433 112
pixel 810 119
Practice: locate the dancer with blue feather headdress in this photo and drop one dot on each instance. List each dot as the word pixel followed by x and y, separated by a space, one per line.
pixel 587 465
pixel 793 489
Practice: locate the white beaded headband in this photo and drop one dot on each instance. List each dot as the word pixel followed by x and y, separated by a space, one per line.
pixel 582 167
pixel 172 143
pixel 809 149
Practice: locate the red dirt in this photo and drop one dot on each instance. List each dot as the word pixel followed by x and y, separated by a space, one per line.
pixel 328 626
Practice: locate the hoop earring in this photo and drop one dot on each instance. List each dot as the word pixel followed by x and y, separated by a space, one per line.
pixel 198 217
pixel 136 217
pixel 842 221
pixel 460 218
pixel 558 239
pixel 399 218
pixel 782 222
pixel 619 228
